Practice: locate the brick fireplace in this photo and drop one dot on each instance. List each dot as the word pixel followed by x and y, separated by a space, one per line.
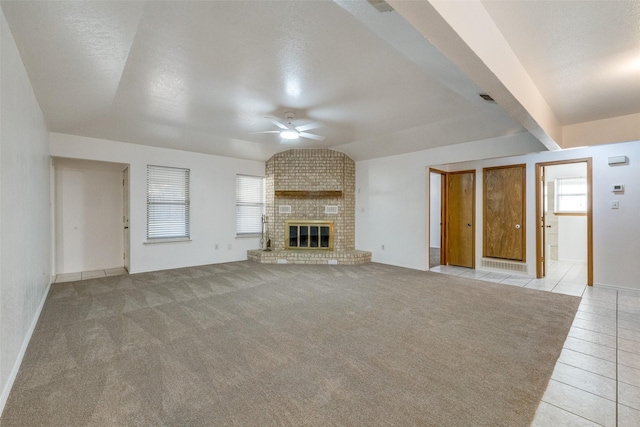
pixel 306 187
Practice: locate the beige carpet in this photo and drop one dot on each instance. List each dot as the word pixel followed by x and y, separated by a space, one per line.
pixel 256 345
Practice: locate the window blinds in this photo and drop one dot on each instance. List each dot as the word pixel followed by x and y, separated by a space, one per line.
pixel 167 202
pixel 249 204
pixel 571 195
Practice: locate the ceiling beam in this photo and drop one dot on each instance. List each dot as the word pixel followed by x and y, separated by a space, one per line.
pixel 465 33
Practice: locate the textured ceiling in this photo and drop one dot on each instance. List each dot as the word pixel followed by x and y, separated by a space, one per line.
pixel 584 56
pixel 201 76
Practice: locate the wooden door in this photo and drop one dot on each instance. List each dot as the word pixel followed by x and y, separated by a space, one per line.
pixel 460 223
pixel 504 212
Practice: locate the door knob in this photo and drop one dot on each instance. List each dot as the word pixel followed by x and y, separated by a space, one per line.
pixel 468 225
pixel 548 226
pixel 126 228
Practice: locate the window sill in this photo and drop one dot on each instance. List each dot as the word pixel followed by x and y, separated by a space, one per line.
pixel 173 240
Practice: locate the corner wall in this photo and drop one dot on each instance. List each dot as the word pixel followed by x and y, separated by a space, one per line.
pixel 25 229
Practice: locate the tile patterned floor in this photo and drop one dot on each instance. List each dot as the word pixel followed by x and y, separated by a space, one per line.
pixel 596 381
pixel 94 274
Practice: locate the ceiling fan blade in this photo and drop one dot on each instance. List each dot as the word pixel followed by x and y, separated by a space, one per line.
pixel 267 131
pixel 309 126
pixel 312 136
pixel 277 122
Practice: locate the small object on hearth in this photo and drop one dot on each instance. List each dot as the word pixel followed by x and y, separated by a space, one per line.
pixel 268 246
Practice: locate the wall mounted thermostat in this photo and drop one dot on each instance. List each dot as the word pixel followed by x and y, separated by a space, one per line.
pixel 617 188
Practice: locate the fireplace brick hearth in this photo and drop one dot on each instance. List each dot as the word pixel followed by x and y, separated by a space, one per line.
pixel 307 185
pixel 353 257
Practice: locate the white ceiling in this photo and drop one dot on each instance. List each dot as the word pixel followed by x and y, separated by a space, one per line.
pixel 201 76
pixel 584 56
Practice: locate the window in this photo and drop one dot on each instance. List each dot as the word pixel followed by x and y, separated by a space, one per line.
pixel 571 195
pixel 249 204
pixel 167 203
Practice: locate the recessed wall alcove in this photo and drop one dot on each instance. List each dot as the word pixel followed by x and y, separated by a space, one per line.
pixel 307 185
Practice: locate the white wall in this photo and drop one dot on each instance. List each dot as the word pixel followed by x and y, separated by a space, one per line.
pixel 88 215
pixel 392 204
pixel 24 211
pixel 213 195
pixel 572 238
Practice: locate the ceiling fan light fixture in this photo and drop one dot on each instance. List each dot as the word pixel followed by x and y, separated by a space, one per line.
pixel 289 134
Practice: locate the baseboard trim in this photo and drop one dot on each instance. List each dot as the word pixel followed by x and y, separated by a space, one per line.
pixel 615 287
pixel 16 366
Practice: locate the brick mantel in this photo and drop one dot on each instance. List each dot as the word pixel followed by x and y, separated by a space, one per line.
pixel 303 194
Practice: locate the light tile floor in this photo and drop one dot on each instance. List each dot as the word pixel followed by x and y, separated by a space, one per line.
pixel 596 380
pixel 94 274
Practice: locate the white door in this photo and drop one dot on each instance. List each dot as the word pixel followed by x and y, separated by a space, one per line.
pixel 125 216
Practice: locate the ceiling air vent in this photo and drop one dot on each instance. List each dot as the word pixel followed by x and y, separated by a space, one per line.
pixel 380 5
pixel 487 97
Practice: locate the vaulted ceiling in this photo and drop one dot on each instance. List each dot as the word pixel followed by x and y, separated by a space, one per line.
pixel 201 76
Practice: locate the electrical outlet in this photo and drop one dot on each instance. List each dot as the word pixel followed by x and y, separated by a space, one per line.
pixel 383 247
pixel 216 246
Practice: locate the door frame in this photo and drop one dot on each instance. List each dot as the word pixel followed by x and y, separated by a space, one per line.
pixel 126 201
pixel 540 228
pixel 443 215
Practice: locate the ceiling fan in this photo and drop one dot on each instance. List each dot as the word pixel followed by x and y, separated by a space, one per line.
pixel 290 132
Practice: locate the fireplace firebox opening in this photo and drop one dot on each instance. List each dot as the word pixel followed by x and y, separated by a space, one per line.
pixel 315 235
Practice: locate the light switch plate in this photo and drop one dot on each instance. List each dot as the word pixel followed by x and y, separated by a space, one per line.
pixel 615 204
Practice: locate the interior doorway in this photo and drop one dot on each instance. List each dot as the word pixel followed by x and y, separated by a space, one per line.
pixel 89 205
pixel 452 203
pixel 437 205
pixel 564 243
